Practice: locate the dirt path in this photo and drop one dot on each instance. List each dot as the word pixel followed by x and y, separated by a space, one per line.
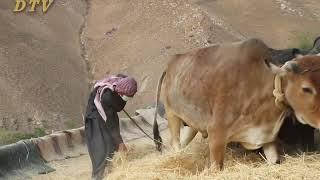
pixel 80 168
pixel 75 168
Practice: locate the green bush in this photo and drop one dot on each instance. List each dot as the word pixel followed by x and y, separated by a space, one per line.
pixel 38 132
pixel 8 137
pixel 70 124
pixel 303 41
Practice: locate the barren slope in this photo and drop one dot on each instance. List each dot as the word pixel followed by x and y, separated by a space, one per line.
pixel 43 82
pixel 137 37
pixel 43 79
pixel 277 22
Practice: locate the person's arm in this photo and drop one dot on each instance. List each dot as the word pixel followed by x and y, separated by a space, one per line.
pixel 113 125
pixel 112 116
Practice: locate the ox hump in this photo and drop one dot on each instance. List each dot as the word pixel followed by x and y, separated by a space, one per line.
pixel 255 49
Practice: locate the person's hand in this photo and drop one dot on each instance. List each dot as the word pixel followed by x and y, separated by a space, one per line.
pixel 122 147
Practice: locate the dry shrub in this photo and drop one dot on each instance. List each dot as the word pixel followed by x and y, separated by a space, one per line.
pixel 143 162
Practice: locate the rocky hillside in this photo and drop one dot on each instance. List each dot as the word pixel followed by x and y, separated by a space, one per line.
pixel 43 77
pixel 280 23
pixel 49 60
pixel 137 37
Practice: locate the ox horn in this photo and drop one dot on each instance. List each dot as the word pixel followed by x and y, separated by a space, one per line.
pixel 290 66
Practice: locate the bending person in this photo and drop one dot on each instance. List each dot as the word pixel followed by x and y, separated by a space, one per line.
pixel 102 131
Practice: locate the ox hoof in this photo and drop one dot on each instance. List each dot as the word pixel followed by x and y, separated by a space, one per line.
pixel 271 153
pixel 215 168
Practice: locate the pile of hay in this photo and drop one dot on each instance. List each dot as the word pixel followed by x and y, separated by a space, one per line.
pixel 143 162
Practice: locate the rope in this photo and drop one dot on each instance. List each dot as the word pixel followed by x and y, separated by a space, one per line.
pixel 280 99
pixel 134 122
pixel 280 102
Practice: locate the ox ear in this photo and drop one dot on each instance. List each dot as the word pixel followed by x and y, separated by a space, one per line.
pixel 274 68
pixel 297 53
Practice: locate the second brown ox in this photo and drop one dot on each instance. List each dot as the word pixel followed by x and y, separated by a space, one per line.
pixel 226 92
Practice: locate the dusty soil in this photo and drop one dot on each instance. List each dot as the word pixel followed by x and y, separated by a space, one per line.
pixel 80 168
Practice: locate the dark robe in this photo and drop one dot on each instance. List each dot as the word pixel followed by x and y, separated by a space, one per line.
pixel 103 138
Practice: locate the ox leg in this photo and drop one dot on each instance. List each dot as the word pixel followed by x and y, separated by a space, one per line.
pixel 271 153
pixel 188 135
pixel 217 147
pixel 174 123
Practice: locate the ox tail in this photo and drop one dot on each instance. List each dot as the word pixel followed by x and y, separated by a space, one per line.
pixel 156 133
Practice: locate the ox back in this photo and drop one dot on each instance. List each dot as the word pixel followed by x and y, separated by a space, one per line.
pixel 293 134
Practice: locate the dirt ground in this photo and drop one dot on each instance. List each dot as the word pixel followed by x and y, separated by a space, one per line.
pixel 144 162
pixel 80 168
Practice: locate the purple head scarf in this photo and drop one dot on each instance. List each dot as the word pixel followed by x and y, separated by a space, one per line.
pixel 123 85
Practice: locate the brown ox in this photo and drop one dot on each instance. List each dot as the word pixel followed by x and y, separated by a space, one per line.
pixel 226 91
